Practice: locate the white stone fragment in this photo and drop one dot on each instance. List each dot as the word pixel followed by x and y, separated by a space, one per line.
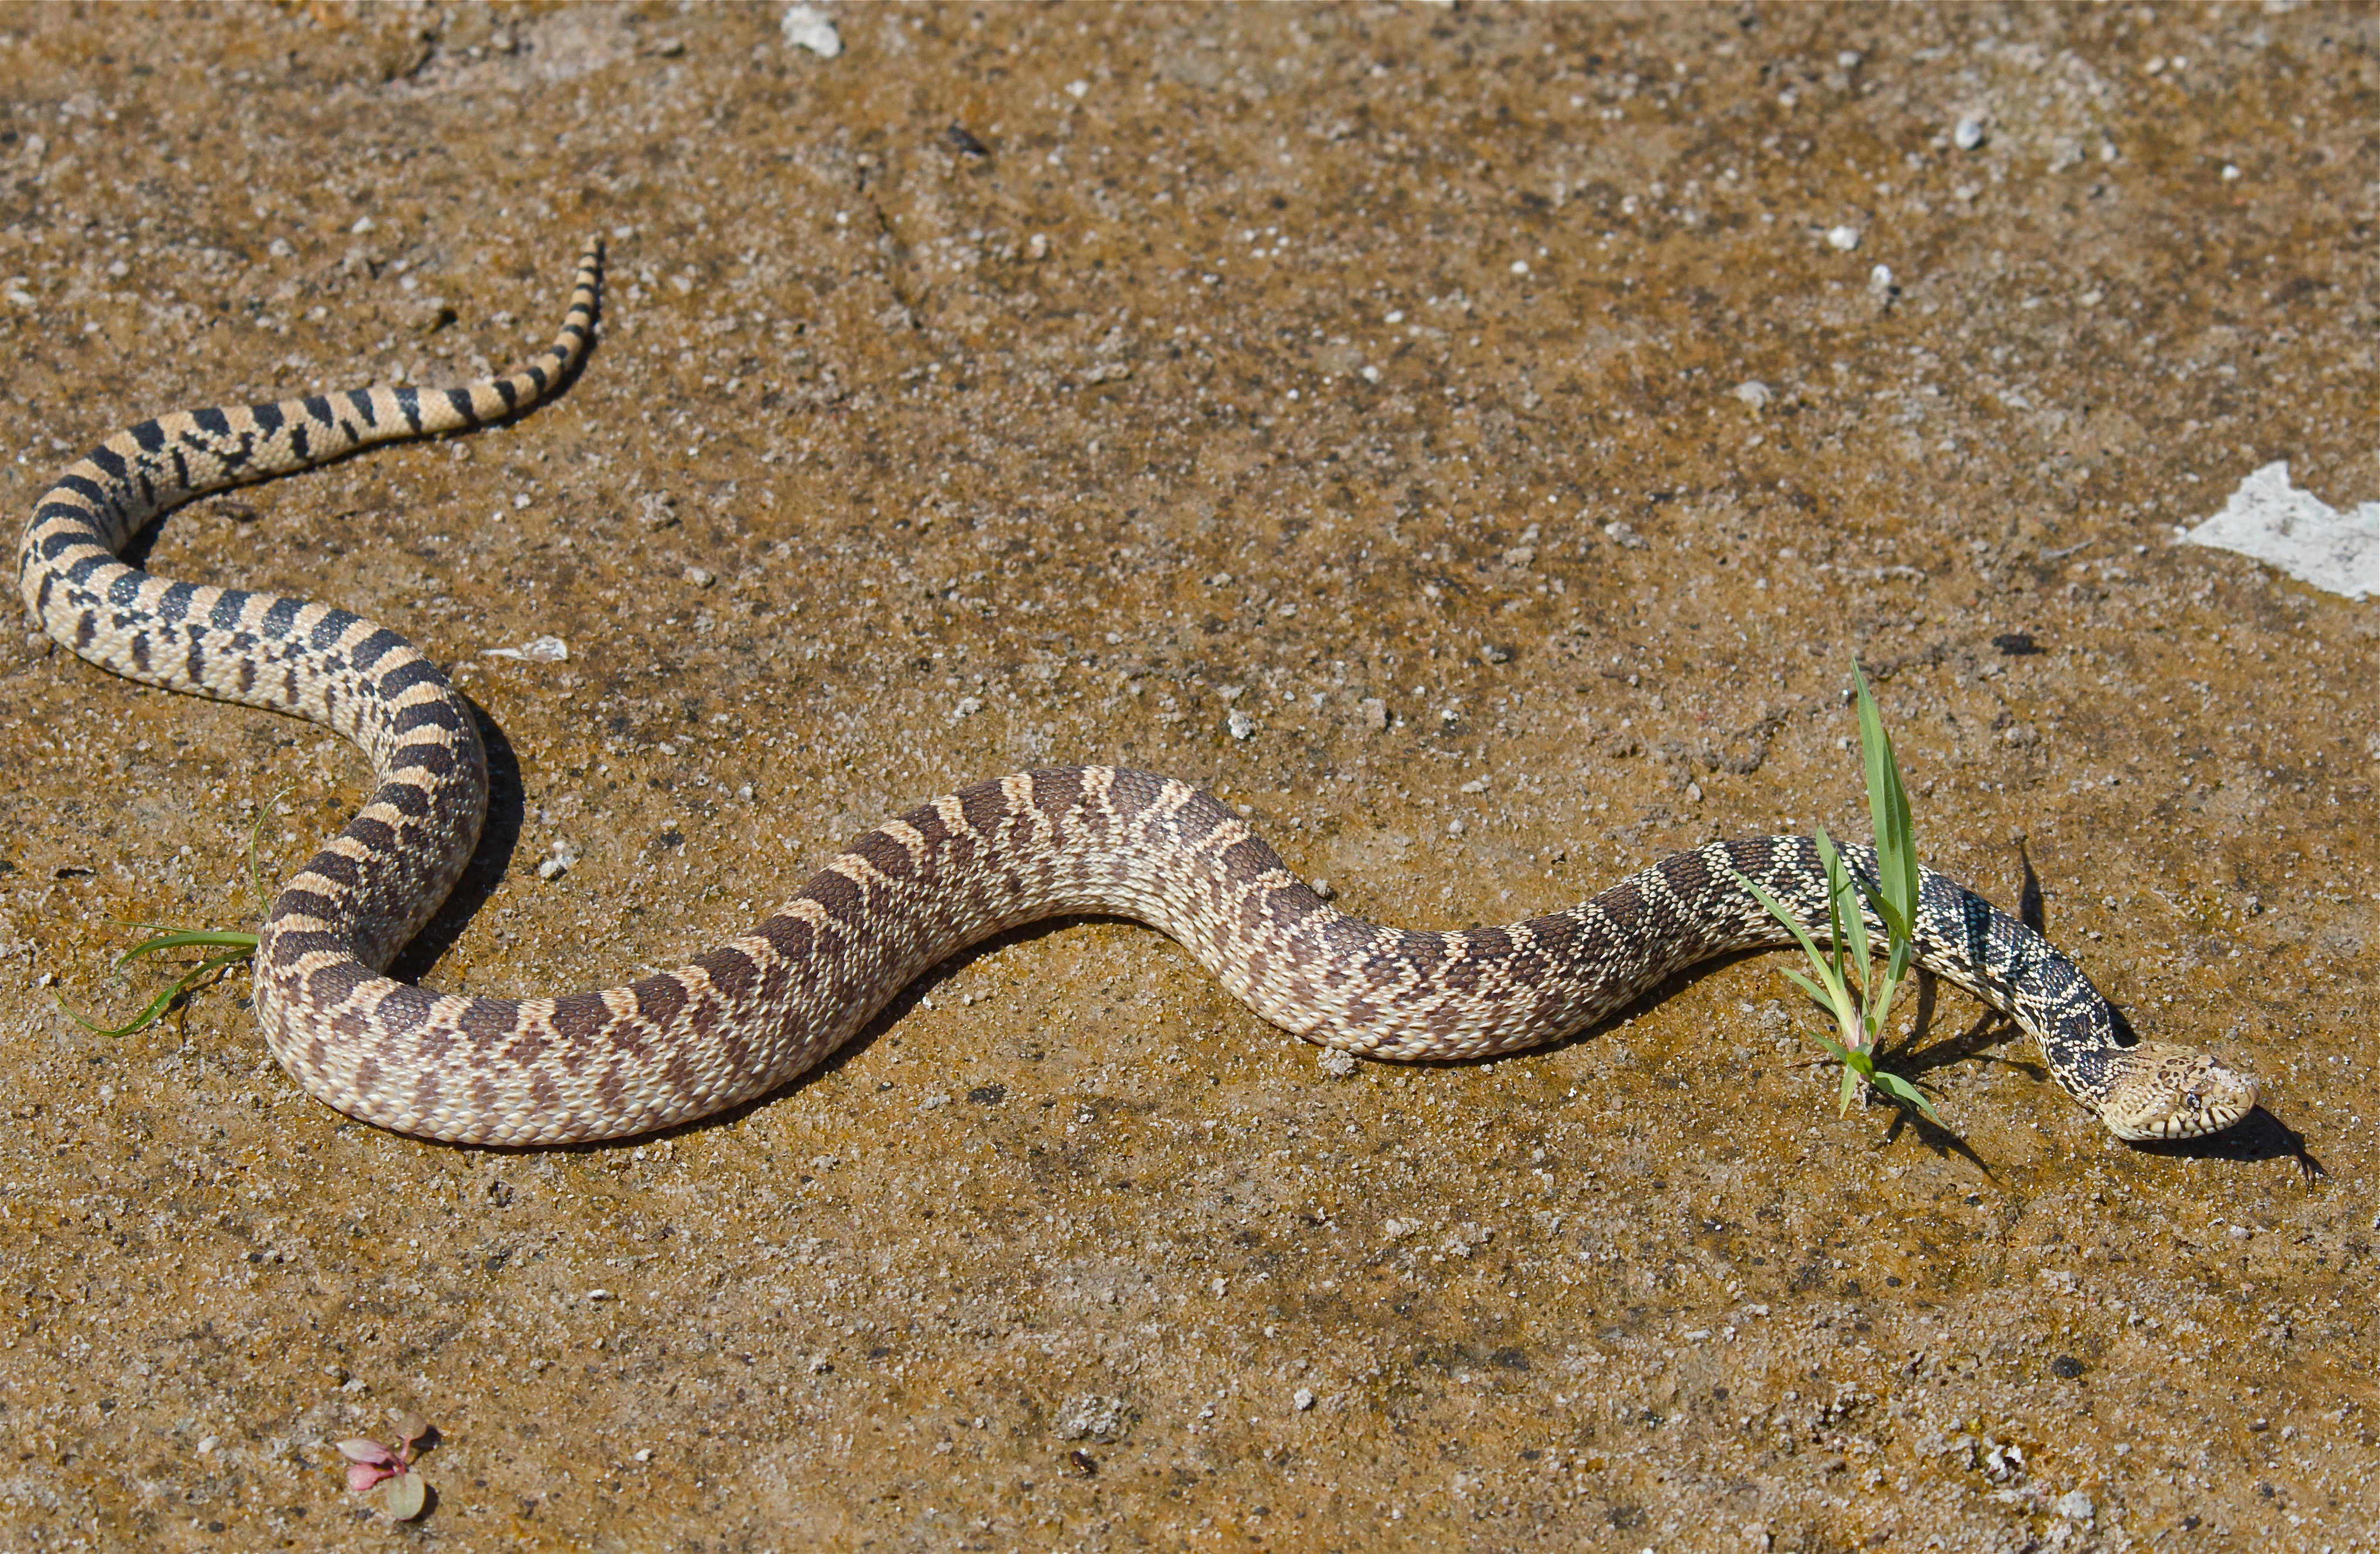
pixel 1241 725
pixel 1336 1064
pixel 699 578
pixel 2074 1505
pixel 1304 1400
pixel 1968 133
pixel 1091 1418
pixel 2274 522
pixel 968 708
pixel 538 649
pixel 807 27
pixel 1843 237
pixel 1753 393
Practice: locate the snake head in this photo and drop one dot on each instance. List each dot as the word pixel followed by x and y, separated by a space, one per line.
pixel 2173 1092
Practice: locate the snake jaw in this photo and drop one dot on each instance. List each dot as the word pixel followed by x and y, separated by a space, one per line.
pixel 2172 1092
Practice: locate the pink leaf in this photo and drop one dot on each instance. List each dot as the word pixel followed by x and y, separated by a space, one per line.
pixel 367 1451
pixel 362 1476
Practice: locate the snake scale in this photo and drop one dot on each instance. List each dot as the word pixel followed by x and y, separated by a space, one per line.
pixel 766 1006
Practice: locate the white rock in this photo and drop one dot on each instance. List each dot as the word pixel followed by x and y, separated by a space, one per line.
pixel 1968 133
pixel 538 649
pixel 1304 1400
pixel 1336 1064
pixel 1241 725
pixel 1753 393
pixel 2074 1505
pixel 807 27
pixel 2273 521
pixel 1843 237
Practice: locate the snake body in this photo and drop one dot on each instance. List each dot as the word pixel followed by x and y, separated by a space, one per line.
pixel 766 1006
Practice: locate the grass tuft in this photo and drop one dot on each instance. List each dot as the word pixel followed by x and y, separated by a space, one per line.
pixel 1848 986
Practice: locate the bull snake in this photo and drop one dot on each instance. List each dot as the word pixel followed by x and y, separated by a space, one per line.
pixel 771 1003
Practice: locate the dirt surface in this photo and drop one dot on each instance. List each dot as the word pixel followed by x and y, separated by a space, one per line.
pixel 1037 385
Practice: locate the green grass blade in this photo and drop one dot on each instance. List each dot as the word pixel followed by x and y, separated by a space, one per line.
pixel 1887 803
pixel 1902 1090
pixel 163 1002
pixel 1830 860
pixel 1837 1051
pixel 1843 914
pixel 181 938
pixel 1851 1088
pixel 1822 997
pixel 1777 909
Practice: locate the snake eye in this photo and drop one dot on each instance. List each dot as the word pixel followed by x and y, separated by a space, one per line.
pixel 2191 1100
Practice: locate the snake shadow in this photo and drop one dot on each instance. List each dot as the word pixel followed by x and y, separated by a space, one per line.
pixel 500 836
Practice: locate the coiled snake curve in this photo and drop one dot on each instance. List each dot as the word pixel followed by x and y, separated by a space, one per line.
pixel 763 1007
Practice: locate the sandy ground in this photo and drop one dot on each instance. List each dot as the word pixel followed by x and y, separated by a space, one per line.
pixel 1037 385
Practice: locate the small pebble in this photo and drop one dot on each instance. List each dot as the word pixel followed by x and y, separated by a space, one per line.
pixel 1304 1400
pixel 1967 134
pixel 1336 1064
pixel 1843 237
pixel 1241 725
pixel 699 578
pixel 1753 393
